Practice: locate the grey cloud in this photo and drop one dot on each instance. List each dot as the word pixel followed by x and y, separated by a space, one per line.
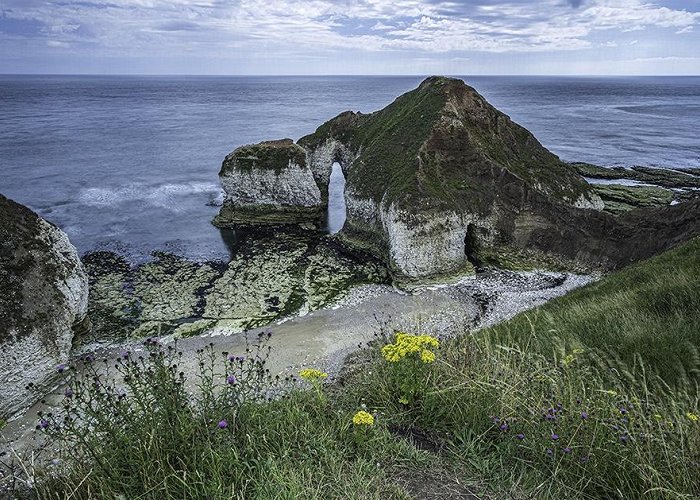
pixel 20 27
pixel 179 26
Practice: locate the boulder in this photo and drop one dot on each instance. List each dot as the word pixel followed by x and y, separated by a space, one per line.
pixel 268 183
pixel 43 302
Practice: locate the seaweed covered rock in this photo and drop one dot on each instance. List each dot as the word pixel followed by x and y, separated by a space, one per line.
pixel 43 302
pixel 272 275
pixel 268 183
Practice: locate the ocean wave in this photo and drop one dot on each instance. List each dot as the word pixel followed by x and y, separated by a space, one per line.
pixel 168 196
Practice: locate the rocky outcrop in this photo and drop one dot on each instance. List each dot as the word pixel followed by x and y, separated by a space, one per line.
pixel 268 183
pixel 43 302
pixel 432 175
pixel 440 182
pixel 272 275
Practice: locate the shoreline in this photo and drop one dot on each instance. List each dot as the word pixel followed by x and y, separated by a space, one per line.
pixel 324 338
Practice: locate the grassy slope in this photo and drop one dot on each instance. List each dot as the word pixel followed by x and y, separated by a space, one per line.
pixel 407 153
pixel 651 309
pixel 639 437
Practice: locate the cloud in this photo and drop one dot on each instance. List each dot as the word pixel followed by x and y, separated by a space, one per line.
pixel 296 28
pixel 179 26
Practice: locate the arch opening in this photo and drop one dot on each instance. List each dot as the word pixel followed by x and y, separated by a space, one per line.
pixel 471 246
pixel 337 212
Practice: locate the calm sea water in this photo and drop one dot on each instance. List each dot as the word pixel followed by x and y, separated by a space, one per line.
pixel 130 163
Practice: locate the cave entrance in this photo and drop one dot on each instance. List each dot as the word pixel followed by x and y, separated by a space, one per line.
pixel 471 246
pixel 336 200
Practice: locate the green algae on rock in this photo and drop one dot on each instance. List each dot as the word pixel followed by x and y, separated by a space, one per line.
pixel 274 274
pixel 669 178
pixel 619 198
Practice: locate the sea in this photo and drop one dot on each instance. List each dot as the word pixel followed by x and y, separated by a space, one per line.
pixel 130 163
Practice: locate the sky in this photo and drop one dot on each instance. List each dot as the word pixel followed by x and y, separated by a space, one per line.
pixel 299 37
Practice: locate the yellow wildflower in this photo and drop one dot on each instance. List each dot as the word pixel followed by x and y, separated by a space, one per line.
pixel 312 374
pixel 363 418
pixel 403 400
pixel 693 417
pixel 427 356
pixel 406 344
pixel 658 417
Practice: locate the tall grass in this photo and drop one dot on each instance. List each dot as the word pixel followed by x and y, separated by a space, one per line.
pixel 590 396
pixel 650 309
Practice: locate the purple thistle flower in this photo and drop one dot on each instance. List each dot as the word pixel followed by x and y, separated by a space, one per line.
pixel 125 355
pixel 223 424
pixel 68 392
pixel 554 437
pixel 231 358
pixel 230 380
pixel 584 415
pixel 567 450
pixel 43 423
pixel 520 436
pixel 624 438
pixel 623 410
pixel 61 368
pixel 550 452
pixel 503 427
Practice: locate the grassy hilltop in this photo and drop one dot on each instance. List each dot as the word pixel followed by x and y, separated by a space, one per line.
pixel 593 395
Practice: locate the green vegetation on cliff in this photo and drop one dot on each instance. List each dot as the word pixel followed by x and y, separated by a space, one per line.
pixel 268 155
pixel 438 145
pixel 593 395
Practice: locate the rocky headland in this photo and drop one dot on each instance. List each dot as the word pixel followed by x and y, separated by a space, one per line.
pixel 440 183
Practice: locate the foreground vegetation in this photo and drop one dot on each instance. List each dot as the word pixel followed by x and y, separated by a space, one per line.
pixel 593 395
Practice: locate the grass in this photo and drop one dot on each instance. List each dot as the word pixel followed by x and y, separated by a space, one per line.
pixel 650 310
pixel 593 395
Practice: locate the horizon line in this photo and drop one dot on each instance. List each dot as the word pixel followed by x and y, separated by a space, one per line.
pixel 416 75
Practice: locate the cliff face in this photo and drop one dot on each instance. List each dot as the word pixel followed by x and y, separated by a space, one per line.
pixel 268 183
pixel 43 301
pixel 434 173
pixel 440 181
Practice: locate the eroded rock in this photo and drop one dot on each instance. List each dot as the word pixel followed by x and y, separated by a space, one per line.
pixel 268 183
pixel 43 303
pixel 440 182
